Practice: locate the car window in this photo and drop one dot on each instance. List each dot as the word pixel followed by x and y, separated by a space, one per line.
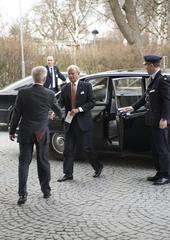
pixel 99 86
pixel 127 90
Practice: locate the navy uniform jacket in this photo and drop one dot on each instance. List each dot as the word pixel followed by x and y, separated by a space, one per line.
pixel 157 100
pixel 57 74
pixel 31 112
pixel 84 99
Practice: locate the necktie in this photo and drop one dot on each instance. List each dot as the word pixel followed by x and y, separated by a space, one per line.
pixel 53 85
pixel 51 70
pixel 150 79
pixel 73 95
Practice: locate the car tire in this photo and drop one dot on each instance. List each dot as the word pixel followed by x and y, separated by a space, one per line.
pixel 57 145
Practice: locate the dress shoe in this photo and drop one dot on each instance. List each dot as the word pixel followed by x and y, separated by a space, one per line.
pixel 154 178
pixel 22 199
pixel 161 181
pixel 46 195
pixel 98 172
pixel 65 178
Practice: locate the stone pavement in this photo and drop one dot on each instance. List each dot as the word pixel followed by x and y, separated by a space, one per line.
pixel 120 205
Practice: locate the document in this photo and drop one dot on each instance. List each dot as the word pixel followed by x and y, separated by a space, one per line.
pixel 68 118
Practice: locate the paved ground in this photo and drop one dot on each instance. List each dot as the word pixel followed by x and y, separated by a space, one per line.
pixel 120 205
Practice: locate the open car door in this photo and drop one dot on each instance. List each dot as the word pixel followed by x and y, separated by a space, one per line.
pixel 134 135
pixel 100 89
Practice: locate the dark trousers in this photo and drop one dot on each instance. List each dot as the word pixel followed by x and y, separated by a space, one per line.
pixel 161 151
pixel 43 165
pixel 76 138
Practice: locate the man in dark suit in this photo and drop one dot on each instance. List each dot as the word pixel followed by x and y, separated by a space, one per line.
pixel 157 102
pixel 78 99
pixel 31 113
pixel 53 74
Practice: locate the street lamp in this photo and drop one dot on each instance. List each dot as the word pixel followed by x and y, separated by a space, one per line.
pixel 21 41
pixel 94 32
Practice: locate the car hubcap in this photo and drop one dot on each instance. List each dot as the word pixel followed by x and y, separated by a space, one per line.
pixel 58 142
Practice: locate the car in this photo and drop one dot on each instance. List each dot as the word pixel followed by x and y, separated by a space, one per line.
pixel 8 95
pixel 113 131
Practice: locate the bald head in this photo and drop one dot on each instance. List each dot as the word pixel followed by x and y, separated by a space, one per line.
pixel 39 74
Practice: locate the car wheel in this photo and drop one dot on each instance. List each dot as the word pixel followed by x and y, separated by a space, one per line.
pixel 57 144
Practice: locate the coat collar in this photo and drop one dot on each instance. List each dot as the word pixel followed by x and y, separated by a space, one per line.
pixel 156 76
pixel 155 73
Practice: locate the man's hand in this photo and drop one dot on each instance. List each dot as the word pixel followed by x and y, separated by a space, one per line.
pixel 52 115
pixel 74 111
pixel 12 137
pixel 163 123
pixel 126 109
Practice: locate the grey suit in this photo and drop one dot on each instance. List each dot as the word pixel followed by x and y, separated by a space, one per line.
pixel 31 114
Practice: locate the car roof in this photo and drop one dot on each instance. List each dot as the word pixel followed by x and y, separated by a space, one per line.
pixel 16 85
pixel 13 87
pixel 21 83
pixel 123 73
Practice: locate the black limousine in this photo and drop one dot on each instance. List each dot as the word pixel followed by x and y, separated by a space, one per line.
pixel 113 132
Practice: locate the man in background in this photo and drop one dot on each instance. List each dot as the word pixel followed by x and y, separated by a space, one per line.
pixel 53 74
pixel 31 114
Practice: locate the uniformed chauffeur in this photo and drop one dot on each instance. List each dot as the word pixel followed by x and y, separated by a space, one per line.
pixel 157 102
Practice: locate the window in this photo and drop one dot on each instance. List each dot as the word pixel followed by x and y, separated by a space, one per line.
pixel 99 86
pixel 127 90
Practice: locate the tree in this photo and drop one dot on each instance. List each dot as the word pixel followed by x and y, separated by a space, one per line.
pixel 142 22
pixel 153 15
pixel 3 27
pixel 136 18
pixel 62 23
pixel 127 21
pixel 44 24
pixel 74 20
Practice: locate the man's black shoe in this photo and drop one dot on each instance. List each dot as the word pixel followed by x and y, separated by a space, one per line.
pixel 65 178
pixel 46 195
pixel 161 181
pixel 98 172
pixel 154 178
pixel 22 199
